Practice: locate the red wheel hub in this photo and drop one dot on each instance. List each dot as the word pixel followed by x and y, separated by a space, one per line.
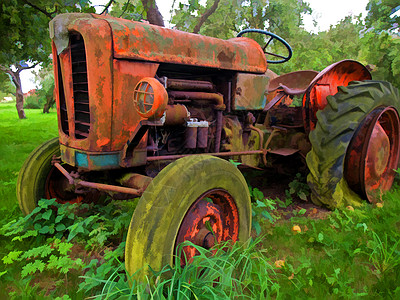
pixel 211 219
pixel 373 154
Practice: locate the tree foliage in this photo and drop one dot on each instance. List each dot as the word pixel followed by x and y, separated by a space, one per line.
pixel 25 36
pixel 373 41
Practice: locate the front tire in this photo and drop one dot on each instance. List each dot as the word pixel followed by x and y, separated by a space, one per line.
pixel 341 125
pixel 39 179
pixel 33 175
pixel 176 206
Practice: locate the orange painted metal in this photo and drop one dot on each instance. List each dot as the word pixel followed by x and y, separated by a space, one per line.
pixel 327 83
pixel 217 98
pixel 150 98
pixel 98 49
pixel 212 218
pixel 373 154
pixel 141 41
pixel 125 119
pixel 218 154
pixel 99 186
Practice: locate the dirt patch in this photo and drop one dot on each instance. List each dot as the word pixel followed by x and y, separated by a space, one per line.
pixel 274 183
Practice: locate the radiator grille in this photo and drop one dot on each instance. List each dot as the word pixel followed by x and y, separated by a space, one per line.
pixel 80 86
pixel 61 95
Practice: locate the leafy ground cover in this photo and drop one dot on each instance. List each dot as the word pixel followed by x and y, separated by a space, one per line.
pixel 297 250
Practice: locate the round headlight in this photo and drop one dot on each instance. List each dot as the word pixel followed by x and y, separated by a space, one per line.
pixel 150 98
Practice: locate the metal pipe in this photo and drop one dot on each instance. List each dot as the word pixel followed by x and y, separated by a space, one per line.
pixel 65 173
pixel 98 186
pixel 260 134
pixel 218 132
pixel 220 154
pixel 110 188
pixel 196 85
pixel 216 97
pixel 229 102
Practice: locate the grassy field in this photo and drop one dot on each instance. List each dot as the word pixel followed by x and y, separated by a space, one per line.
pixel 18 139
pixel 296 251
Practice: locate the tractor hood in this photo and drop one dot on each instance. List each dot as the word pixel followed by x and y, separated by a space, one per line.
pixel 141 41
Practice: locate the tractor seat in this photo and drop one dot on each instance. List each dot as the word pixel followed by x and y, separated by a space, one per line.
pixel 294 83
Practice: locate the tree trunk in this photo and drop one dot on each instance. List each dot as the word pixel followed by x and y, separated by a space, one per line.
pixel 16 79
pixel 153 14
pixel 20 102
pixel 18 95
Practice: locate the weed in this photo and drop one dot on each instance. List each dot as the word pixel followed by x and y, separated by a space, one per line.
pixel 383 256
pixel 299 187
pixel 262 209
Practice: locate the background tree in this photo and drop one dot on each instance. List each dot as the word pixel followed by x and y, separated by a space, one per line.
pixel 25 40
pixel 380 40
pixel 25 37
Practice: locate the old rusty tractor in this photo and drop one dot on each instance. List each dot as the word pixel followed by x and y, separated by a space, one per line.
pixel 149 111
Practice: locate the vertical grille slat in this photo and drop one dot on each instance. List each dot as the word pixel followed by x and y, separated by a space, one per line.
pixel 80 86
pixel 63 105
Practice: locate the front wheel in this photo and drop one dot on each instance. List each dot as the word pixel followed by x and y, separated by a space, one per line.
pixel 38 179
pixel 202 199
pixel 355 145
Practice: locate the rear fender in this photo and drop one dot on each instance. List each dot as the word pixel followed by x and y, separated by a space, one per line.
pixel 326 83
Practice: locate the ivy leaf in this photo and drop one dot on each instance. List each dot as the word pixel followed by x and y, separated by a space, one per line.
pixel 47 215
pixel 60 227
pixel 44 229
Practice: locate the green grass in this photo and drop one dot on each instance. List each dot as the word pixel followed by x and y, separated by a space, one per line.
pixel 17 139
pixel 78 250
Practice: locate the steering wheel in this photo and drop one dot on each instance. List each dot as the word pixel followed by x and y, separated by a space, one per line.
pixel 272 37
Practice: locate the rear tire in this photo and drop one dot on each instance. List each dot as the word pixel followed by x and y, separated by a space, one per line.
pixel 337 126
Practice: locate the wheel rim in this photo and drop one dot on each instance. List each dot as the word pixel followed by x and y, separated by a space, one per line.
pixel 57 186
pixel 373 154
pixel 216 210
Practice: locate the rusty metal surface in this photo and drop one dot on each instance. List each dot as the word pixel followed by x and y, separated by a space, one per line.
pixel 99 186
pixel 327 83
pixel 109 188
pixel 274 101
pixel 190 85
pixel 141 41
pixel 250 91
pixel 126 74
pixel 176 114
pixel 65 173
pixel 219 154
pixel 284 151
pixel 293 83
pixel 99 76
pixel 373 154
pixel 236 139
pixel 136 181
pixel 212 218
pixel 216 98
